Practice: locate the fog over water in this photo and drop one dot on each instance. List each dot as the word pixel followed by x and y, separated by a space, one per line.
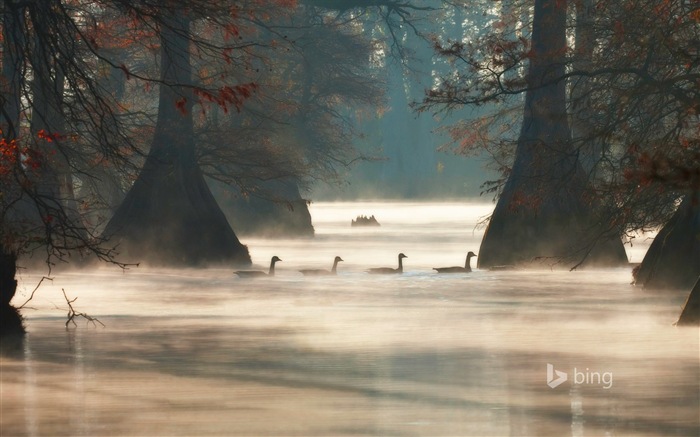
pixel 203 352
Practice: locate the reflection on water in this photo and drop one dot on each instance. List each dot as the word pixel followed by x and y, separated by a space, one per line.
pixel 202 352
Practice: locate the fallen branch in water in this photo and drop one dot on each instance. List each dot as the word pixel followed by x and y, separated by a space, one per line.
pixel 72 314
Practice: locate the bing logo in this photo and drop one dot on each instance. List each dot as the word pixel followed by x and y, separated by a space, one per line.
pixel 555 378
pixel 561 377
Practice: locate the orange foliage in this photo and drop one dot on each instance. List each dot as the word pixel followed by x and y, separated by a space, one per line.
pixel 12 154
pixel 227 96
pixel 695 15
pixel 118 32
pixel 8 156
pixel 180 104
pixel 49 137
pixel 658 167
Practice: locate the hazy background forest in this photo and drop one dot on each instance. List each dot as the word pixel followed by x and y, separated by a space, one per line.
pixel 157 155
pixel 267 105
pixel 158 133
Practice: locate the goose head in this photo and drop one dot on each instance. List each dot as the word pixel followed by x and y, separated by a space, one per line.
pixel 401 257
pixel 274 259
pixel 467 267
pixel 336 260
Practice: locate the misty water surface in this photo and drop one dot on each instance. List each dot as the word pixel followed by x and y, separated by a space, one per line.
pixel 202 352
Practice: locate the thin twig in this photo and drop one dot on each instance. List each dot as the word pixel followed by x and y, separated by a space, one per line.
pixel 72 314
pixel 31 296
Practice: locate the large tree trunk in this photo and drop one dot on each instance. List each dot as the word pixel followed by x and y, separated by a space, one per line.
pixel 10 85
pixel 54 198
pixel 280 213
pixel 691 310
pixel 543 212
pixel 12 70
pixel 673 259
pixel 10 320
pixel 583 116
pixel 170 216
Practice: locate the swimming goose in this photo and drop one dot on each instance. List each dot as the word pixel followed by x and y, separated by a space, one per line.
pixel 388 270
pixel 466 269
pixel 321 272
pixel 256 273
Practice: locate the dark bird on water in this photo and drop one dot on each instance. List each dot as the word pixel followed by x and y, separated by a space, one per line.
pixel 321 272
pixel 466 269
pixel 256 273
pixel 389 270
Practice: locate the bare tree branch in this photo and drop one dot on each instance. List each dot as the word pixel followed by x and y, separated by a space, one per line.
pixel 72 313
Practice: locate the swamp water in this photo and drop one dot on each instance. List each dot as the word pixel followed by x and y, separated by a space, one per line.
pixel 202 352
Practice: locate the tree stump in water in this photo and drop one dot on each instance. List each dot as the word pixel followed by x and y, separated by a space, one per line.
pixel 363 220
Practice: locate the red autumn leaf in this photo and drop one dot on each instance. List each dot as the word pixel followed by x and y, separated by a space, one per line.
pixel 48 136
pixel 180 105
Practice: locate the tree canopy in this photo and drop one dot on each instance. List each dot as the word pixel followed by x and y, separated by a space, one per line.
pixel 82 118
pixel 631 82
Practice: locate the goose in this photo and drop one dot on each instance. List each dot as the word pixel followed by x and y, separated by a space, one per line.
pixel 389 270
pixel 256 273
pixel 321 272
pixel 466 269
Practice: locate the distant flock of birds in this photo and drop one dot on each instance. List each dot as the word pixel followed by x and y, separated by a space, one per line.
pixel 376 271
